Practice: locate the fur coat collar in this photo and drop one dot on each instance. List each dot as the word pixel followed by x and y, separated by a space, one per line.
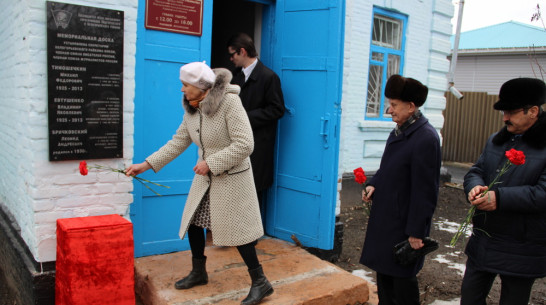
pixel 534 137
pixel 212 101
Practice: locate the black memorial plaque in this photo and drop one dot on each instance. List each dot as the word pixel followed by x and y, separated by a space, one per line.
pixel 85 82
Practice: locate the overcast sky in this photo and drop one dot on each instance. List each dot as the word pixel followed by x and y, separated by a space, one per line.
pixel 481 13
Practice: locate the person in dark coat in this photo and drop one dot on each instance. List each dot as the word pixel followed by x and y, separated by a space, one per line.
pixel 404 192
pixel 263 101
pixel 509 236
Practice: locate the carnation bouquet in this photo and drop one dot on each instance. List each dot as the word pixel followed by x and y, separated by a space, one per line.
pixel 514 157
pixel 84 170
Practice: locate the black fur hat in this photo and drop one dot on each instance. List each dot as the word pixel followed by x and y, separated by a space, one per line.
pixel 520 92
pixel 406 89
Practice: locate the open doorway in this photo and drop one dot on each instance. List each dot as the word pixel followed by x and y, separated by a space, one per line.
pixel 229 18
pixel 254 18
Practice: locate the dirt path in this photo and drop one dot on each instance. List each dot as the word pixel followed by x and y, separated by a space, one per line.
pixel 441 277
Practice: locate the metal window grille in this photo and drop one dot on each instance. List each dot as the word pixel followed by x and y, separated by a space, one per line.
pixel 374 90
pixel 385 61
pixel 387 32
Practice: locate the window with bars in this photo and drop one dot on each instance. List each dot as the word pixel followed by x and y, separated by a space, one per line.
pixel 386 59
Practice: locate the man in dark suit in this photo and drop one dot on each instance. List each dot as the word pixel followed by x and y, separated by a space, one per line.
pixel 263 101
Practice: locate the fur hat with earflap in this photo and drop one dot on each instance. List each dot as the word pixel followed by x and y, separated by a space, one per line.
pixel 521 92
pixel 406 89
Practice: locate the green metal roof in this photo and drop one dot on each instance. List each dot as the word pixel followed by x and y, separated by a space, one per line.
pixel 509 34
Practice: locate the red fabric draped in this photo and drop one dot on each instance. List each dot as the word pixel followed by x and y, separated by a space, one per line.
pixel 95 261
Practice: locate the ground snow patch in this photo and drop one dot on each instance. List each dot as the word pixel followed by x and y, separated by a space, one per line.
pixel 446 225
pixel 460 268
pixel 364 275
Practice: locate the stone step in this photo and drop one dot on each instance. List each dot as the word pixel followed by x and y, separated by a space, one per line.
pixel 297 276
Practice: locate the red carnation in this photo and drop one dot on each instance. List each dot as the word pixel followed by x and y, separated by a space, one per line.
pixel 516 157
pixel 360 176
pixel 83 168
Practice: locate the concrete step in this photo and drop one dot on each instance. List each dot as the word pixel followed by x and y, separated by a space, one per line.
pixel 298 277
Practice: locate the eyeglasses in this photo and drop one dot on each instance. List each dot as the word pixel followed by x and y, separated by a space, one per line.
pixel 511 112
pixel 231 54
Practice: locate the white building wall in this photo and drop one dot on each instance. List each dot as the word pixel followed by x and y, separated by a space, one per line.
pixel 36 191
pixel 427 46
pixel 487 73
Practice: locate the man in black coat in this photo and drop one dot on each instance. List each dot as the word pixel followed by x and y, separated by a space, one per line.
pixel 404 191
pixel 263 101
pixel 509 236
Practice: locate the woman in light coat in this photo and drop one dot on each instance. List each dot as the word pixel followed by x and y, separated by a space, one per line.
pixel 222 196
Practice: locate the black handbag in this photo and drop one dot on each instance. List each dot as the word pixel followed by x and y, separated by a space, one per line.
pixel 405 255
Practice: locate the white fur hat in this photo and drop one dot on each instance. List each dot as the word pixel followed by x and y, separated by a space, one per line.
pixel 197 74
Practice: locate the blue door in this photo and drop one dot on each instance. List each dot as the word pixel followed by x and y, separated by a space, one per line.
pixel 307 55
pixel 158 113
pixel 309 37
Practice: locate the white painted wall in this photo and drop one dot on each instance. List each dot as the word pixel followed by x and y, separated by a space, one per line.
pixel 38 192
pixel 487 73
pixel 427 46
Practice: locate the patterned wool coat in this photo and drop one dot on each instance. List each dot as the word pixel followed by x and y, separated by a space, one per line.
pixel 221 130
pixel 263 100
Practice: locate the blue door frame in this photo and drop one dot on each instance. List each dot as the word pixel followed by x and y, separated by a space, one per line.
pixel 308 58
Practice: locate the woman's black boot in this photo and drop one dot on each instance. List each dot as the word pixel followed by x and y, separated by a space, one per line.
pixel 260 288
pixel 197 276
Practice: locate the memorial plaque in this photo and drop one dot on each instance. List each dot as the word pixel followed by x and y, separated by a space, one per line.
pixel 85 82
pixel 179 16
